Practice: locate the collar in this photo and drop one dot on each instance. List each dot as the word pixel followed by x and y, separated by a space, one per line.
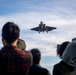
pixel 38 65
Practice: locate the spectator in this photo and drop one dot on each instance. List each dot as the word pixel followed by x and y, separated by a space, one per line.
pixel 62 68
pixel 70 53
pixel 36 69
pixel 21 44
pixel 13 61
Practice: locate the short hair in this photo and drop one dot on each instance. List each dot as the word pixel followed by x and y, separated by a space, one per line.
pixel 10 32
pixel 62 48
pixel 36 55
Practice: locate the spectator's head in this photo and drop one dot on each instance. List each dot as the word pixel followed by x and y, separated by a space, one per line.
pixel 36 55
pixel 21 44
pixel 10 32
pixel 62 48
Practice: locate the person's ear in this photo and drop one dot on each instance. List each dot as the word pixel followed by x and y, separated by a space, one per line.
pixel 3 41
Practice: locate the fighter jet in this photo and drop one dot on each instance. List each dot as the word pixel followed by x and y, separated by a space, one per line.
pixel 42 27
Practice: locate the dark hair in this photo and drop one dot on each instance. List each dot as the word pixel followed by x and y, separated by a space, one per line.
pixel 62 48
pixel 10 32
pixel 36 55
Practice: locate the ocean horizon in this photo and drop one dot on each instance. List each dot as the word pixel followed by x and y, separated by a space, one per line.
pixel 49 61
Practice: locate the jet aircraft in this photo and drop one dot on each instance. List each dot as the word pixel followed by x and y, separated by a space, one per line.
pixel 42 27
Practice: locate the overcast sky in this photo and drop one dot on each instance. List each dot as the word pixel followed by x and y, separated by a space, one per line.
pixel 28 14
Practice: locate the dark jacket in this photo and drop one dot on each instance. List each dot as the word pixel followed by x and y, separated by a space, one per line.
pixel 63 69
pixel 38 70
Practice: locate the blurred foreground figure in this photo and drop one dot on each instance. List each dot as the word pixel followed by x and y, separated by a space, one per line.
pixel 70 53
pixel 37 69
pixel 13 61
pixel 62 68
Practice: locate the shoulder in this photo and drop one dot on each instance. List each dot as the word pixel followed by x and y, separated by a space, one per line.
pixel 40 69
pixel 46 71
pixel 64 66
pixel 24 52
pixel 57 65
pixel 61 65
pixel 28 53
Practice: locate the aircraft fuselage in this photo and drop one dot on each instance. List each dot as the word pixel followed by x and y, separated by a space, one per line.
pixel 42 27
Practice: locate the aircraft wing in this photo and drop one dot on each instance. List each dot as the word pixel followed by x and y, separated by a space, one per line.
pixel 36 29
pixel 50 28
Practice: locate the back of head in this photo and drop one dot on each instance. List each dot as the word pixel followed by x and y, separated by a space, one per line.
pixel 62 48
pixel 21 44
pixel 36 55
pixel 10 32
